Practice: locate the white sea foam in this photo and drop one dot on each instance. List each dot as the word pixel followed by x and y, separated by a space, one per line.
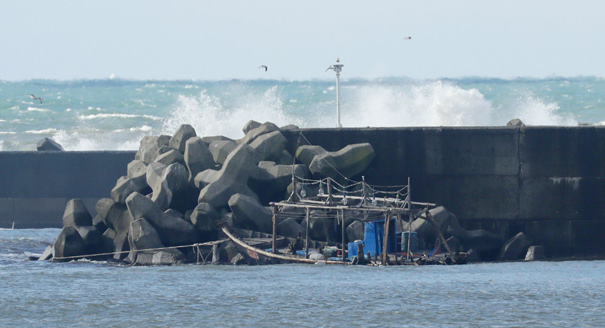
pixel 144 128
pixel 117 115
pixel 108 140
pixel 36 109
pixel 45 131
pixel 440 103
pixel 7 133
pixel 535 111
pixel 426 104
pixel 209 116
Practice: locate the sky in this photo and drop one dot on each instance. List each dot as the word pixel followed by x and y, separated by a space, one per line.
pixel 298 40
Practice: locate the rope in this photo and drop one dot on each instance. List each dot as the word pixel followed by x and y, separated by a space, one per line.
pixel 341 188
pixel 211 243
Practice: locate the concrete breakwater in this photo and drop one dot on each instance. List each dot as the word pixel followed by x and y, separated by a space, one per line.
pixel 547 182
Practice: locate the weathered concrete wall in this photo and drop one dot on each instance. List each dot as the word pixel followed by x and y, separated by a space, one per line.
pixel 35 186
pixel 548 182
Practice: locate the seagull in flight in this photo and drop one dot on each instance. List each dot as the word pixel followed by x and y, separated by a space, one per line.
pixel 264 66
pixel 32 96
pixel 408 38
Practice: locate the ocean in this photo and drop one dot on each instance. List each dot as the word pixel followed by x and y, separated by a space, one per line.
pixel 114 114
pixel 97 294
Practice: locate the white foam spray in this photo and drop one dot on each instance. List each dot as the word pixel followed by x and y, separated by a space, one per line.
pixel 426 104
pixel 210 115
pixel 533 110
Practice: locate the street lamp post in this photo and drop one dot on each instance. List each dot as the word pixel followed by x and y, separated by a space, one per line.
pixel 337 68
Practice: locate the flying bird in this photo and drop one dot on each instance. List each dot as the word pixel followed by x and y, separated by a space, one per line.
pixel 263 66
pixel 32 96
pixel 408 38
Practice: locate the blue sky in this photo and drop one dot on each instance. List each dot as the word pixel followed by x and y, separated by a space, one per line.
pixel 210 40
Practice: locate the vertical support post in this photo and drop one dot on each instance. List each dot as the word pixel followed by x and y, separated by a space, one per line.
pixel 360 256
pixel 342 221
pixel 363 190
pixel 274 230
pixel 329 191
pixel 411 218
pixel 293 196
pixel 385 240
pixel 307 234
pixel 215 254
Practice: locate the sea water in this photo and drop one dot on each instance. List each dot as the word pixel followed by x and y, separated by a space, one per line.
pixel 97 294
pixel 114 114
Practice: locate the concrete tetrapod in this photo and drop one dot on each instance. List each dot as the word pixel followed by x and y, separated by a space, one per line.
pixel 143 236
pixel 348 161
pixel 258 131
pixel 149 146
pixel 231 179
pixel 269 146
pixel 165 181
pixel 68 243
pixel 179 140
pixel 515 248
pixel 250 214
pixel 173 231
pixel 197 157
pixel 76 214
pixel 220 150
pixel 48 144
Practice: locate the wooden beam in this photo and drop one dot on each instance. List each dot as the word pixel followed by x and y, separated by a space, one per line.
pixel 342 220
pixel 385 240
pixel 307 235
pixel 274 229
pixel 438 232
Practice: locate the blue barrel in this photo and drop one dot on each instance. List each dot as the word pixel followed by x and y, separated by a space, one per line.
pixel 413 241
pixel 353 248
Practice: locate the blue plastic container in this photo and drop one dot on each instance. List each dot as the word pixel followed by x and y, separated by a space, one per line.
pixel 353 248
pixel 413 241
pixel 373 237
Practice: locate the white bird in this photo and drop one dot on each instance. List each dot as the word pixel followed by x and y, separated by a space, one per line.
pixel 408 38
pixel 263 66
pixel 34 97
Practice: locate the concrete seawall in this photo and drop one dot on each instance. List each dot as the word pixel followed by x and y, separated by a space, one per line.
pixel 548 182
pixel 35 186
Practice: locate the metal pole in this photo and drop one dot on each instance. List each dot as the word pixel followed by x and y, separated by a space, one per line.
pixel 338 99
pixel 337 68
